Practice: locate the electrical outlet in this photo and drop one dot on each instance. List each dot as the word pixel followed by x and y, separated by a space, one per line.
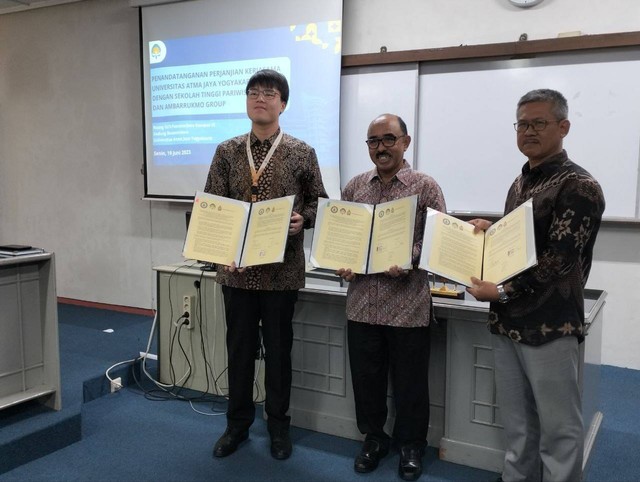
pixel 116 384
pixel 188 310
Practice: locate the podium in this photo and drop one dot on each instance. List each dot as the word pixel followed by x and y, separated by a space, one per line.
pixel 29 352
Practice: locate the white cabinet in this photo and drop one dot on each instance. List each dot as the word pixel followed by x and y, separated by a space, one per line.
pixel 29 353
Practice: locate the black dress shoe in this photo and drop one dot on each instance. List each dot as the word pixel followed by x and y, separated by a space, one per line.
pixel 410 467
pixel 281 446
pixel 370 455
pixel 229 442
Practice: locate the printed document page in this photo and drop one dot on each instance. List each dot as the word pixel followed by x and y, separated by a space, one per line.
pixel 216 229
pixel 452 250
pixel 267 231
pixel 341 235
pixel 510 245
pixel 392 235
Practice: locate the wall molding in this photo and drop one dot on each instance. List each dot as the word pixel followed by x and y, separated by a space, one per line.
pixel 105 306
pixel 524 48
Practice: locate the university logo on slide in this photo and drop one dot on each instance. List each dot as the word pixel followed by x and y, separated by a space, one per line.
pixel 157 51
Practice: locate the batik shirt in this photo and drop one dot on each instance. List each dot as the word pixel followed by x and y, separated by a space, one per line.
pixel 548 299
pixel 293 170
pixel 379 299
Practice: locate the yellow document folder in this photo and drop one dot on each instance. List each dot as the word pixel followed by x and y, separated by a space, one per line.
pixel 362 237
pixel 223 230
pixel 451 248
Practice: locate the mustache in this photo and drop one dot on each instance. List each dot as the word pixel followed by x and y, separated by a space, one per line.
pixel 380 154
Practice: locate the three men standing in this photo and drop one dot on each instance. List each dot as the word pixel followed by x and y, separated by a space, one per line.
pixel 537 318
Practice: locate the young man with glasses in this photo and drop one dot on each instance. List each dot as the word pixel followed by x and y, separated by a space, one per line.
pixel 264 164
pixel 537 318
pixel 389 313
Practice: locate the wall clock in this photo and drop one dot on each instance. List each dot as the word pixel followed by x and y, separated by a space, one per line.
pixel 525 3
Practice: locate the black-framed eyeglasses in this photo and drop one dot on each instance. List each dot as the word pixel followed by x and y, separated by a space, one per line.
pixel 537 125
pixel 268 94
pixel 387 141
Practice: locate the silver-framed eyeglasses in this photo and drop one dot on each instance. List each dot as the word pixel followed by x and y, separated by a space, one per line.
pixel 388 140
pixel 268 94
pixel 537 125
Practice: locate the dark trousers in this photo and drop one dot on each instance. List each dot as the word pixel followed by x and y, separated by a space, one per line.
pixel 245 310
pixel 376 351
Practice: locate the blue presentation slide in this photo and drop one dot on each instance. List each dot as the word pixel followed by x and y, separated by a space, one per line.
pixel 197 89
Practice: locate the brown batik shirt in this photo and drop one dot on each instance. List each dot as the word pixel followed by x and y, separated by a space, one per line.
pixel 293 170
pixel 379 299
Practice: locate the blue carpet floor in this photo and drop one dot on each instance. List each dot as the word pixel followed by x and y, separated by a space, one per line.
pixel 30 430
pixel 127 437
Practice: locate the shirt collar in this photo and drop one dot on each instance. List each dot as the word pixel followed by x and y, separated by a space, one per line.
pixel 402 175
pixel 549 166
pixel 268 141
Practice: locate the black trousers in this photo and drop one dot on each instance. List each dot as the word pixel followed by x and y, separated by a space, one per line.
pixel 375 351
pixel 245 311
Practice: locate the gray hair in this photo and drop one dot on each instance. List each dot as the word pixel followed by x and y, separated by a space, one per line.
pixel 559 106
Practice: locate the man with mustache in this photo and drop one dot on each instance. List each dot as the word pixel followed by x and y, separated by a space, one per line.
pixel 389 313
pixel 537 318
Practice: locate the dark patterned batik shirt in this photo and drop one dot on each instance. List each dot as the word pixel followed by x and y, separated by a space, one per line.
pixel 293 170
pixel 548 299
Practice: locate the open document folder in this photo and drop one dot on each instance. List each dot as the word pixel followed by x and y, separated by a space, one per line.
pixel 223 230
pixel 451 248
pixel 363 237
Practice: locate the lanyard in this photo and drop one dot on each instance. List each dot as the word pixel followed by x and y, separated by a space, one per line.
pixel 255 176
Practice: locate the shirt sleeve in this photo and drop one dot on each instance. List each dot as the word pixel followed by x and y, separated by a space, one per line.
pixel 576 216
pixel 218 174
pixel 348 191
pixel 312 189
pixel 434 199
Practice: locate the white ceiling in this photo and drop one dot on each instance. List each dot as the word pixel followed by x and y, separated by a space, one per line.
pixel 10 6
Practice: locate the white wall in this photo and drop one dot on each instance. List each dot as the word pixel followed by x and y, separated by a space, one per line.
pixel 71 147
pixel 421 24
pixel 71 142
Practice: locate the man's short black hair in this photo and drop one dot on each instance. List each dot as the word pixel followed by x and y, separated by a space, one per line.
pixel 403 125
pixel 270 79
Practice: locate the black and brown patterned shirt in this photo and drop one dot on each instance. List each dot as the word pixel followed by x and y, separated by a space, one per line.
pixel 548 300
pixel 293 170
pixel 379 299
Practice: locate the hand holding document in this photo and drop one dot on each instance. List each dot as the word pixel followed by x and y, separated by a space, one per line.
pixel 451 248
pixel 223 230
pixel 362 237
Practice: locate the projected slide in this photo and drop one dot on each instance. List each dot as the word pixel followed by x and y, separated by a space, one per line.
pixel 195 98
